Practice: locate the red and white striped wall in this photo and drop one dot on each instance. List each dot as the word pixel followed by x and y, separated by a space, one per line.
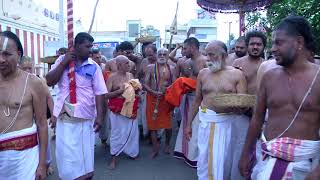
pixel 32 42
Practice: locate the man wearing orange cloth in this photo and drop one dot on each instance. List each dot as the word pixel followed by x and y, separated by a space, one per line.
pixel 158 77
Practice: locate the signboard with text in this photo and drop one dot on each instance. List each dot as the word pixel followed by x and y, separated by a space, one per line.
pixel 102 45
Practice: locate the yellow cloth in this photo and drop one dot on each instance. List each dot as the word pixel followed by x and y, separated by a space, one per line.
pixel 129 94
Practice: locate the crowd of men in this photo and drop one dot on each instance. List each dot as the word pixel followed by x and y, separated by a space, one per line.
pixel 277 139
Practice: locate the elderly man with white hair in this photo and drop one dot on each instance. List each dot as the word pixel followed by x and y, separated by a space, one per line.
pixel 222 130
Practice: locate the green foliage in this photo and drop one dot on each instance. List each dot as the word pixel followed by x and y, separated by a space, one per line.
pixel 309 9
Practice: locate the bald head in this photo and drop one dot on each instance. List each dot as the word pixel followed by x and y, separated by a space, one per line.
pixel 122 63
pixel 121 59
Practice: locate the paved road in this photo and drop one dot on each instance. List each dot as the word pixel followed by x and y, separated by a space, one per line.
pixel 164 167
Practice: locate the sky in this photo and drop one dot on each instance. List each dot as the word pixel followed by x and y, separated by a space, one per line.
pixel 112 14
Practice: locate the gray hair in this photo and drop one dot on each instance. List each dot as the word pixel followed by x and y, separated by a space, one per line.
pixel 24 59
pixel 162 50
pixel 223 48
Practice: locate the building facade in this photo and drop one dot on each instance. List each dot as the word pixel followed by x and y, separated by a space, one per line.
pixel 106 41
pixel 204 28
pixel 32 23
pixel 182 34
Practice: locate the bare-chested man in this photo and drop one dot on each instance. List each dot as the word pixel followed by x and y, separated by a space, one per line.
pixel 290 92
pixel 240 51
pixel 222 131
pixel 183 69
pixel 188 67
pixel 151 58
pixel 195 60
pixel 125 48
pixel 96 56
pixel 249 64
pixel 173 53
pixel 150 52
pixel 26 65
pixel 158 112
pixel 124 129
pixel 23 142
pixel 165 52
pixel 272 63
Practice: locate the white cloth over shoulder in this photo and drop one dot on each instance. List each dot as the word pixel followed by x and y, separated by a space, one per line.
pixel 220 141
pixel 124 135
pixel 19 165
pixel 74 147
pixel 287 158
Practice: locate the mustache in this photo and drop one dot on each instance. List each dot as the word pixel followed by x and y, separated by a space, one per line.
pixel 214 66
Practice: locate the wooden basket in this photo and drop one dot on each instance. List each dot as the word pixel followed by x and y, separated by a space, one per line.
pixel 49 59
pixel 146 39
pixel 234 100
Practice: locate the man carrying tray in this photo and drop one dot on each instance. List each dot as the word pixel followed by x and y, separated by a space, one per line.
pixel 222 129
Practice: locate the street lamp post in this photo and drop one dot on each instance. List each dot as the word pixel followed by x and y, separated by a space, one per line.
pixel 229 31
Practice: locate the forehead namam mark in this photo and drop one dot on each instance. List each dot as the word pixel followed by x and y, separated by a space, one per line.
pixel 7 44
pixel 3 43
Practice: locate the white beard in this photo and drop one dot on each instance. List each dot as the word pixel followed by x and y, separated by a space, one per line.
pixel 214 66
pixel 162 61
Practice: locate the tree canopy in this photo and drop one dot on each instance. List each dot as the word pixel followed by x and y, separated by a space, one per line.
pixel 309 9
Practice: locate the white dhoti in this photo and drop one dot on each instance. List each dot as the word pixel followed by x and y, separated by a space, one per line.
pixel 286 158
pixel 19 164
pixel 220 141
pixel 74 147
pixel 142 119
pixel 124 135
pixel 184 149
